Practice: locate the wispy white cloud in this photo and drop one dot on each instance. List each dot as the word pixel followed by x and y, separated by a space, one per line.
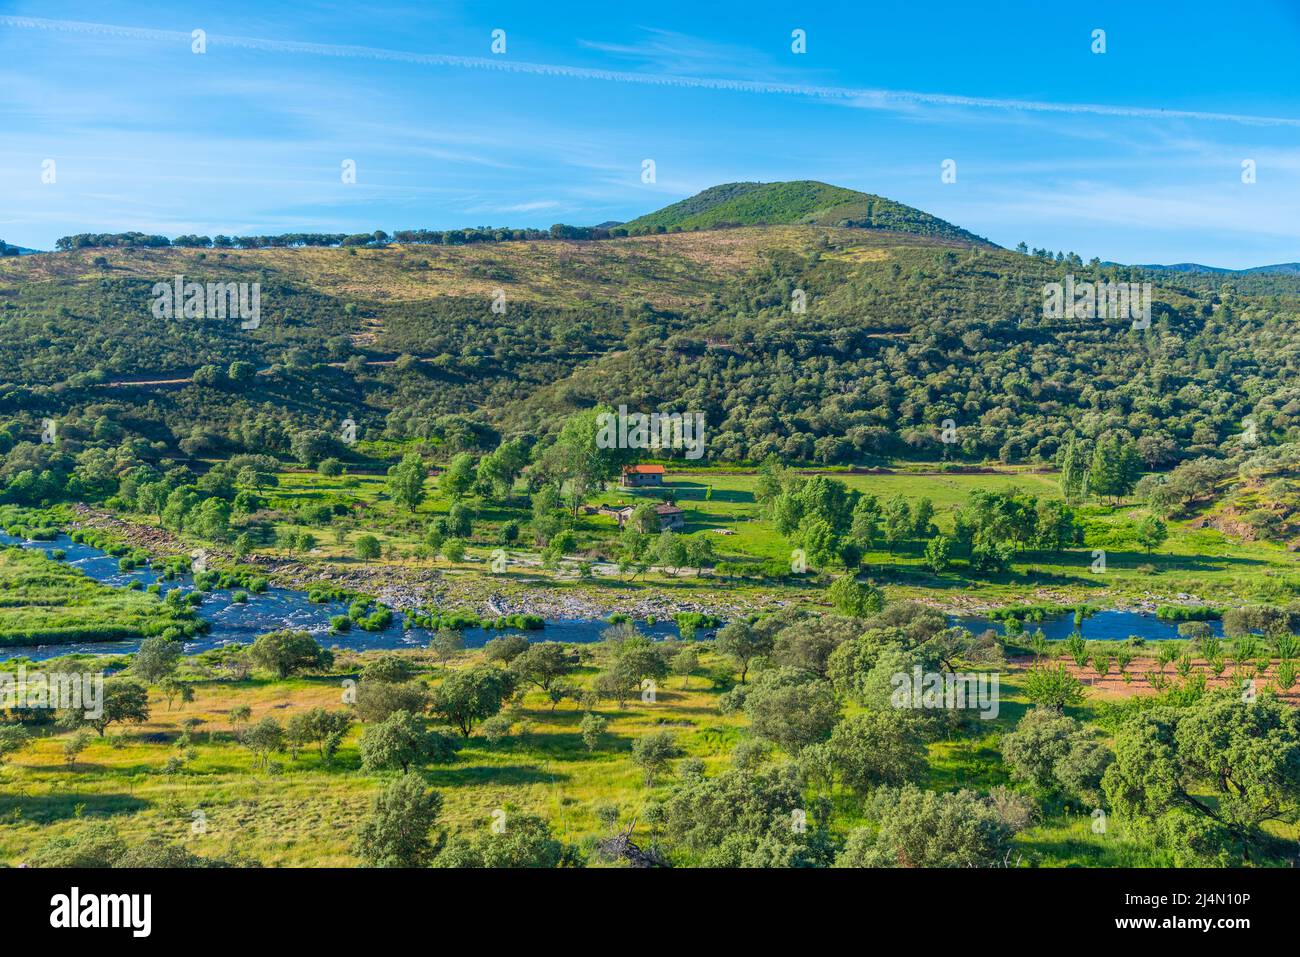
pixel 862 98
pixel 666 51
pixel 1238 209
pixel 529 207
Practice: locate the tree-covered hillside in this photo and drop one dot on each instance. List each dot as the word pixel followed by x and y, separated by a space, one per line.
pixel 821 344
pixel 800 201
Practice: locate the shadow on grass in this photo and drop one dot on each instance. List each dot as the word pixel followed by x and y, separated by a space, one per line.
pixel 505 775
pixel 1181 563
pixel 553 745
pixel 1080 574
pixel 48 808
pixel 1077 852
pixel 696 491
pixel 91 769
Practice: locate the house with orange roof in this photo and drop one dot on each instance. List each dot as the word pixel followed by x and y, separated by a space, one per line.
pixel 639 476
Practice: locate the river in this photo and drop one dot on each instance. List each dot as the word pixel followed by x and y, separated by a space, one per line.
pixel 277 608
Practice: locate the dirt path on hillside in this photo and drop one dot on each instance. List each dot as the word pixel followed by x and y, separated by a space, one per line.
pixel 131 383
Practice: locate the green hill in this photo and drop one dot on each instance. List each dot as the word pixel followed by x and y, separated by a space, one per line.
pixel 897 333
pixel 800 202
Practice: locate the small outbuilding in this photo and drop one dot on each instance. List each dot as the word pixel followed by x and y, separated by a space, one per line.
pixel 670 516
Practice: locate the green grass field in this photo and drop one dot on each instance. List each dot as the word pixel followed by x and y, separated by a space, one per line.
pixel 1198 561
pixel 302 811
pixel 44 601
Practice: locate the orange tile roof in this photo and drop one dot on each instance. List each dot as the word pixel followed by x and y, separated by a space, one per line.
pixel 644 469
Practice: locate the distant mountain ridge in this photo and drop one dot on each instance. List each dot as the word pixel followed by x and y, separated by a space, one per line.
pixel 1290 269
pixel 798 202
pixel 8 249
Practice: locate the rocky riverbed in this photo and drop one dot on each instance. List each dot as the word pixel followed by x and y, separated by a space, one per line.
pixel 526 589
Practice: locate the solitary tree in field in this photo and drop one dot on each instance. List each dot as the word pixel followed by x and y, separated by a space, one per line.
pixel 446 643
pixel 125 700
pixel 263 739
pixel 401 740
pixel 73 746
pixel 592 727
pixel 157 658
pixel 173 688
pixel 699 551
pixel 1151 533
pixel 459 477
pixel 397 832
pixel 285 652
pixel 652 754
pixel 854 598
pixel 367 548
pixel 670 551
pixel 467 697
pixel 542 664
pixel 325 729
pixel 406 481
pixel 13 738
pixel 898 521
pixel 685 663
pixel 937 554
pixel 498 470
pixel 742 644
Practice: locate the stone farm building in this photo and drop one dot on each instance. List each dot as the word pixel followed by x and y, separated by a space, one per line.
pixel 670 516
pixel 638 476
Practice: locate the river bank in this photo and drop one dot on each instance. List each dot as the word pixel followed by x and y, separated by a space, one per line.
pixel 525 588
pixel 234 617
pixel 407 587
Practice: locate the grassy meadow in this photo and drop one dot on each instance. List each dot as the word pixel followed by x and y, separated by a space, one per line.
pixel 45 601
pixel 302 811
pixel 185 774
pixel 1204 562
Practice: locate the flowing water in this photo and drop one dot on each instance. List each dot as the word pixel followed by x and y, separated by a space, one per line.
pixel 274 609
pixel 277 608
pixel 1102 626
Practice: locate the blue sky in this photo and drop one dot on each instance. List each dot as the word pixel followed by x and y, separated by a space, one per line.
pixel 1133 155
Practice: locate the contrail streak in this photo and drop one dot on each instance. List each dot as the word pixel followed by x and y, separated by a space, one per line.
pixel 860 97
